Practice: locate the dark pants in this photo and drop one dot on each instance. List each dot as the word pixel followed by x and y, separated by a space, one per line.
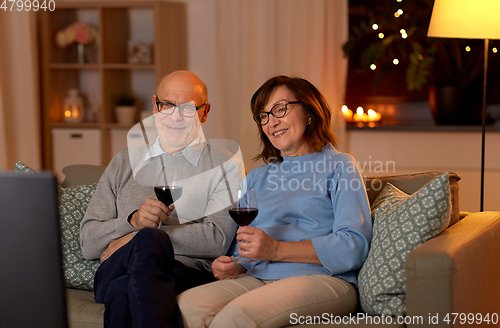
pixel 140 282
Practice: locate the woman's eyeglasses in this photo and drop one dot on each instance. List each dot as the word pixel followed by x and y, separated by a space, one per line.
pixel 279 110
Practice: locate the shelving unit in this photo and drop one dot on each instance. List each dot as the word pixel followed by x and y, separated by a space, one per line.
pixel 161 23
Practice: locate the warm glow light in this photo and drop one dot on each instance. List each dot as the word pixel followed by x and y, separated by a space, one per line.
pixel 347 113
pixel 495 50
pixel 420 57
pixel 400 0
pixel 467 49
pixel 404 36
pixel 381 35
pixel 373 67
pixel 400 12
pixel 465 19
pixel 375 27
pixel 370 116
pixel 71 111
pixel 402 31
pixel 395 61
pixel 396 14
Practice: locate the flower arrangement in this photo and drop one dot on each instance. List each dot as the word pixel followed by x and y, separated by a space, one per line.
pixel 77 33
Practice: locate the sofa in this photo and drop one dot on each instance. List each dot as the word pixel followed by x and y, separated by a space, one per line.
pixel 450 276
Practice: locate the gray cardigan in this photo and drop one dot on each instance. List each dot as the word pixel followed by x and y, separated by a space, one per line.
pixel 206 231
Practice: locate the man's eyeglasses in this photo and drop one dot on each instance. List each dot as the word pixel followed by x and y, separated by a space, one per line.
pixel 188 109
pixel 279 110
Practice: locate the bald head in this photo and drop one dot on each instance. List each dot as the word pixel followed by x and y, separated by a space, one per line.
pixel 187 82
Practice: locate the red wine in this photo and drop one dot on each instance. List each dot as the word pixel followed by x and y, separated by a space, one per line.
pixel 243 215
pixel 168 194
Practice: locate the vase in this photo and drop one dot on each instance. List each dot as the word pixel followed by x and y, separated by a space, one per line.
pixel 81 54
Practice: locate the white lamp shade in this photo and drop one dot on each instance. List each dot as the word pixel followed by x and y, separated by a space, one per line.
pixel 467 19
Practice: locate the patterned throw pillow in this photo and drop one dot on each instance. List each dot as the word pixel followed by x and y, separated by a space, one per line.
pixel 78 272
pixel 401 223
pixel 23 168
pixel 73 202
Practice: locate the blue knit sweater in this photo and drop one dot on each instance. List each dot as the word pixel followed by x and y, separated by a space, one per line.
pixel 319 197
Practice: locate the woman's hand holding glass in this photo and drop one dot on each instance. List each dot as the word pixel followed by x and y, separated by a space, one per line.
pixel 254 243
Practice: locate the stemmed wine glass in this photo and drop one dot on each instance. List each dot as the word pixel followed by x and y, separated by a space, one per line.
pixel 166 192
pixel 244 212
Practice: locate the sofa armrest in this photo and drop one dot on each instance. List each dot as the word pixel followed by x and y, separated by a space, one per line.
pixel 81 174
pixel 457 271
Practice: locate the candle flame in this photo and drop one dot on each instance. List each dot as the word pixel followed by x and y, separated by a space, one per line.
pixel 75 112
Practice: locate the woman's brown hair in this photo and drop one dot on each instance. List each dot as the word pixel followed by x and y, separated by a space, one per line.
pixel 318 133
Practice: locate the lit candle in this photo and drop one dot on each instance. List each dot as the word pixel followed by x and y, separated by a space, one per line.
pixel 360 115
pixel 347 113
pixel 373 116
pixel 73 107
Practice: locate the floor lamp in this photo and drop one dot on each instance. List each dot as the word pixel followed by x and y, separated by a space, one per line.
pixel 469 19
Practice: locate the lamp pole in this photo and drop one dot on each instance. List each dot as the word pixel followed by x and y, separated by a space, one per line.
pixel 483 129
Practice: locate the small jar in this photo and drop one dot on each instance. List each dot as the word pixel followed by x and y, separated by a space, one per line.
pixel 73 107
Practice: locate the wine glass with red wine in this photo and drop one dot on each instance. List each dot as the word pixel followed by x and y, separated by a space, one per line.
pixel 167 192
pixel 243 212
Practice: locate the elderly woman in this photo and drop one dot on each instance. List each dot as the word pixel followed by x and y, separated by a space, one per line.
pixel 312 231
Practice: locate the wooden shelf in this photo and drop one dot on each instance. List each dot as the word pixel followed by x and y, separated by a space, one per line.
pixel 74 66
pixel 109 73
pixel 82 125
pixel 101 66
pixel 128 66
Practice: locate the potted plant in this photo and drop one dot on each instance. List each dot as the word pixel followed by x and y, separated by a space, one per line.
pixel 386 30
pixel 125 110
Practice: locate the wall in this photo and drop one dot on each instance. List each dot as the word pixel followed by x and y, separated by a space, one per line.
pixel 400 152
pixel 20 133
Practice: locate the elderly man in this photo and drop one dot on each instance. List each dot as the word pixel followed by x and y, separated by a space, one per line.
pixel 144 268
